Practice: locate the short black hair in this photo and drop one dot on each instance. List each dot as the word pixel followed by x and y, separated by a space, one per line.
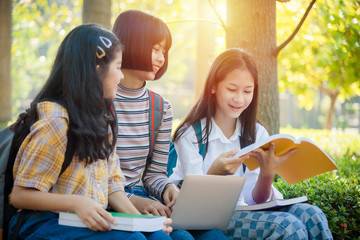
pixel 139 32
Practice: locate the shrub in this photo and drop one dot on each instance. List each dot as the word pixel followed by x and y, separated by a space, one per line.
pixel 337 197
pixel 337 193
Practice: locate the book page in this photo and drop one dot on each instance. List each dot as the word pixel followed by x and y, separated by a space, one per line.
pixel 272 204
pixel 309 161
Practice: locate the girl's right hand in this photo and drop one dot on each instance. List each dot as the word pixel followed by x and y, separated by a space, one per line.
pixel 167 224
pixel 225 164
pixel 148 206
pixel 92 214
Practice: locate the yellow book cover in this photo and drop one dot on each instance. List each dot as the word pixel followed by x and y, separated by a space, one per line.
pixel 309 161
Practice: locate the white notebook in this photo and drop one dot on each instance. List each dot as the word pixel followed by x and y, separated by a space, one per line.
pixel 206 202
pixel 272 204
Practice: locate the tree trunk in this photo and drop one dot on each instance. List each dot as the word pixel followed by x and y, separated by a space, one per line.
pixel 5 61
pixel 205 45
pixel 97 12
pixel 252 26
pixel 329 117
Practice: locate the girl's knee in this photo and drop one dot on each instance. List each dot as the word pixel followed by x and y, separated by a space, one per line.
pixel 210 235
pixel 158 235
pixel 306 211
pixel 181 235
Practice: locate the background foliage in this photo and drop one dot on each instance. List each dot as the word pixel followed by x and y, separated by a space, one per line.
pixel 325 51
pixel 38 29
pixel 323 56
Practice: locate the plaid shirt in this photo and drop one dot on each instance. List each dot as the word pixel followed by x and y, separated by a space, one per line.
pixel 40 157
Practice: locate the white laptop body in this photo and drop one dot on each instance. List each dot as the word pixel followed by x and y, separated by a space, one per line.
pixel 206 202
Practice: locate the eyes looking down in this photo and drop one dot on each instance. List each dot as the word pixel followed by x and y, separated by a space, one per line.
pixel 234 93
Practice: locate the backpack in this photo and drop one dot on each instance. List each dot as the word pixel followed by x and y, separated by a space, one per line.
pixel 156 113
pixel 8 152
pixel 172 159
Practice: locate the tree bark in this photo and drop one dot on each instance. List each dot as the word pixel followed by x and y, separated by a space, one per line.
pixel 98 12
pixel 332 94
pixel 252 26
pixel 5 60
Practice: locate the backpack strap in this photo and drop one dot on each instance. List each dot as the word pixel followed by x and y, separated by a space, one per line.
pixel 244 143
pixel 202 145
pixel 156 113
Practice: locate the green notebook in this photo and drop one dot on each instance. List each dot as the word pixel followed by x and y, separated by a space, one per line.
pixel 124 221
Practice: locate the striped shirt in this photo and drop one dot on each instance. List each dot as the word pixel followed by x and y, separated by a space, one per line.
pixel 42 153
pixel 132 109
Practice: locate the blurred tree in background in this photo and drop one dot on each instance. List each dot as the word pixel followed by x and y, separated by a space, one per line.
pixel 37 31
pixel 5 59
pixel 323 56
pixel 93 12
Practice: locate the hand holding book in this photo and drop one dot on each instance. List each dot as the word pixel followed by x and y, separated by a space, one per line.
pixel 124 221
pixel 226 163
pixel 310 160
pixel 268 161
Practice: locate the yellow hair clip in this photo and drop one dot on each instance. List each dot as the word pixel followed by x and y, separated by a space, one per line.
pixel 102 53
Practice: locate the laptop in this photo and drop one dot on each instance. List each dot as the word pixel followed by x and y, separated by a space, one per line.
pixel 206 202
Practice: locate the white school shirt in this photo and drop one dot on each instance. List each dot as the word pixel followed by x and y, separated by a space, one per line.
pixel 191 162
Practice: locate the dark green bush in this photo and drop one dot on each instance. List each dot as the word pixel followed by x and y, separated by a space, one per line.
pixel 336 193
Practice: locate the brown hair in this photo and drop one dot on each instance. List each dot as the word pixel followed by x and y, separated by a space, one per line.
pixel 139 32
pixel 205 107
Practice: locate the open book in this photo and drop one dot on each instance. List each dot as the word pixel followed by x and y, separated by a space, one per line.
pixel 124 221
pixel 272 204
pixel 309 161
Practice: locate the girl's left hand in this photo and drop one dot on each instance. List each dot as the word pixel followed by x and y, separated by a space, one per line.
pixel 226 164
pixel 170 195
pixel 167 228
pixel 268 161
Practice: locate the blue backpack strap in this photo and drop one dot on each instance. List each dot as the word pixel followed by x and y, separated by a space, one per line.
pixel 156 113
pixel 202 145
pixel 172 159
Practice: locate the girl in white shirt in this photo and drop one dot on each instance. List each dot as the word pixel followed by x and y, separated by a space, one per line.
pixel 227 111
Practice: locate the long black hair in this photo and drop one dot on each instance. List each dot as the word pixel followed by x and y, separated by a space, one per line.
pixel 229 60
pixel 75 84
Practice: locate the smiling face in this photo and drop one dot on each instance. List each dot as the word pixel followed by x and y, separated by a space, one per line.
pixel 157 59
pixel 112 77
pixel 158 56
pixel 135 79
pixel 233 94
